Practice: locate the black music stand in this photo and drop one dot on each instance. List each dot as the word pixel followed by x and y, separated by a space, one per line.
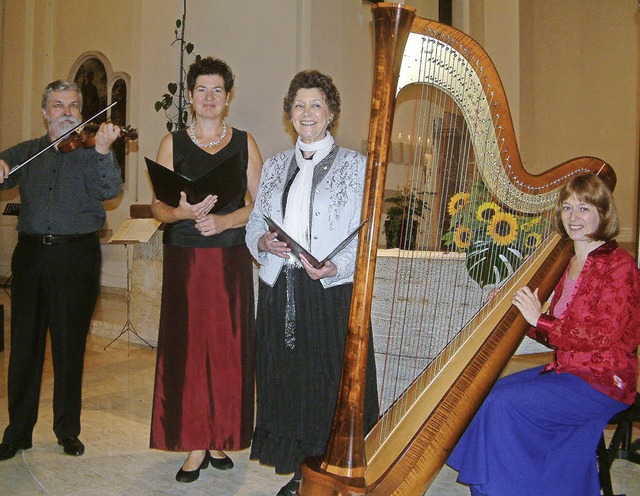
pixel 9 209
pixel 130 232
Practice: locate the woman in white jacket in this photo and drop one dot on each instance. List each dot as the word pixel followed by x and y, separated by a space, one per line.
pixel 314 191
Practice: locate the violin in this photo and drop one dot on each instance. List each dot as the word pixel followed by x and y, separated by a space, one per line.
pixel 70 132
pixel 85 137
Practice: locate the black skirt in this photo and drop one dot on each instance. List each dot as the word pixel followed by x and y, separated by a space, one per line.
pixel 299 364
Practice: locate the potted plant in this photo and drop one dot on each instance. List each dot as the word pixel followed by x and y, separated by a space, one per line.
pixel 401 225
pixel 495 240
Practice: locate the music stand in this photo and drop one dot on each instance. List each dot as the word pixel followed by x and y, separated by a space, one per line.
pixel 130 232
pixel 9 209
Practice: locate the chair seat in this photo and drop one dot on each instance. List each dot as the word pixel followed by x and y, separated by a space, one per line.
pixel 631 414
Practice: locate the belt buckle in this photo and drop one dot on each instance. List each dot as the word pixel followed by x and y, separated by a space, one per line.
pixel 47 239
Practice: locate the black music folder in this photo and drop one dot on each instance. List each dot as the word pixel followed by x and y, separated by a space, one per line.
pixel 297 249
pixel 225 181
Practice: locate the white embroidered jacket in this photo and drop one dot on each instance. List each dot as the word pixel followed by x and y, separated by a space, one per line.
pixel 336 204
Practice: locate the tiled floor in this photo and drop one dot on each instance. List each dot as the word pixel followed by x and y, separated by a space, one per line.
pixel 118 386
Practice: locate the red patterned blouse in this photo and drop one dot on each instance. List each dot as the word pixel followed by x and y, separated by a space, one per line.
pixel 599 331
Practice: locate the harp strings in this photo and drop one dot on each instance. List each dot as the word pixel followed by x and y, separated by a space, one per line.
pixel 432 299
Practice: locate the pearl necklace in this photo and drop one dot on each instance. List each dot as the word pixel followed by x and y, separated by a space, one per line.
pixel 211 144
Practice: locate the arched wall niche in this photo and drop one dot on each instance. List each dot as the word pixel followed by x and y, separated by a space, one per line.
pixel 100 87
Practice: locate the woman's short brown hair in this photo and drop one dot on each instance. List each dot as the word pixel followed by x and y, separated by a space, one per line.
pixel 208 66
pixel 589 188
pixel 314 79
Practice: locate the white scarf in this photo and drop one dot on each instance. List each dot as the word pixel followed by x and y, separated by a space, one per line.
pixel 296 219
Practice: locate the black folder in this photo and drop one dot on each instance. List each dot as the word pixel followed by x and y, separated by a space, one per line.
pixel 225 181
pixel 297 249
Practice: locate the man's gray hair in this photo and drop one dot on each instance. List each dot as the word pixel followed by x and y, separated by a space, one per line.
pixel 60 85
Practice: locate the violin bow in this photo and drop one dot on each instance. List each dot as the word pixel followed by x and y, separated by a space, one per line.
pixel 65 135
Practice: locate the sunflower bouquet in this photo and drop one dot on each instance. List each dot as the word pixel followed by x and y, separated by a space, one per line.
pixel 495 240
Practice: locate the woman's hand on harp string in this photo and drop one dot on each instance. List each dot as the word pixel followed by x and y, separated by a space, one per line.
pixel 4 171
pixel 529 304
pixel 491 295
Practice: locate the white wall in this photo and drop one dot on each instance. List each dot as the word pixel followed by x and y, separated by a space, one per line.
pixel 580 89
pixel 569 68
pixel 265 43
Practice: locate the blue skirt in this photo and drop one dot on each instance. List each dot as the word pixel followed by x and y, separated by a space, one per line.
pixel 535 435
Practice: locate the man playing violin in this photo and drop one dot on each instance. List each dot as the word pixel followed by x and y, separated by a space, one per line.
pixel 55 265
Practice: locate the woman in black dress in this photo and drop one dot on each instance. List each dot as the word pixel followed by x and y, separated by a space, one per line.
pixel 314 191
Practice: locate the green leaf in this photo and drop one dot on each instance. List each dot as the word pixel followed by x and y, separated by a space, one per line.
pixel 167 101
pixel 178 23
pixel 189 48
pixel 172 87
pixel 158 106
pixel 488 263
pixel 169 126
pixel 447 238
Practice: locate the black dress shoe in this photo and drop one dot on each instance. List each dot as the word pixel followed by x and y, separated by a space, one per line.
pixel 72 446
pixel 9 450
pixel 290 488
pixel 192 475
pixel 225 463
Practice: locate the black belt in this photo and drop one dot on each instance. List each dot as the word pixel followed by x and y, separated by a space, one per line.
pixel 54 239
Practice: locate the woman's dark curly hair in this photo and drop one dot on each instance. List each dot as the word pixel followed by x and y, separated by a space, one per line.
pixel 589 188
pixel 314 79
pixel 208 66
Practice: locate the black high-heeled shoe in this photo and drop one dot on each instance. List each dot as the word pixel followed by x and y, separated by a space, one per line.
pixel 192 475
pixel 290 488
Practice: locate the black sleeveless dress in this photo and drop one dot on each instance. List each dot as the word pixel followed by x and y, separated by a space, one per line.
pixel 204 384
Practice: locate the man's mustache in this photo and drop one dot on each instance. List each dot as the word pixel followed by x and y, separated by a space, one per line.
pixel 66 120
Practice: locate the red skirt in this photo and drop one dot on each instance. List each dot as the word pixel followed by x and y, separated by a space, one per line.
pixel 204 384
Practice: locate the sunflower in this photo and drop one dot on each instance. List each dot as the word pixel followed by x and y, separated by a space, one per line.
pixel 503 228
pixel 487 211
pixel 457 202
pixel 462 237
pixel 532 240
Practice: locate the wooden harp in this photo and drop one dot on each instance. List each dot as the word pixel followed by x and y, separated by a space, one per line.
pixel 466 124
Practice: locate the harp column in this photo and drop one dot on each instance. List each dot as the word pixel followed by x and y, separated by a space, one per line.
pixel 342 471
